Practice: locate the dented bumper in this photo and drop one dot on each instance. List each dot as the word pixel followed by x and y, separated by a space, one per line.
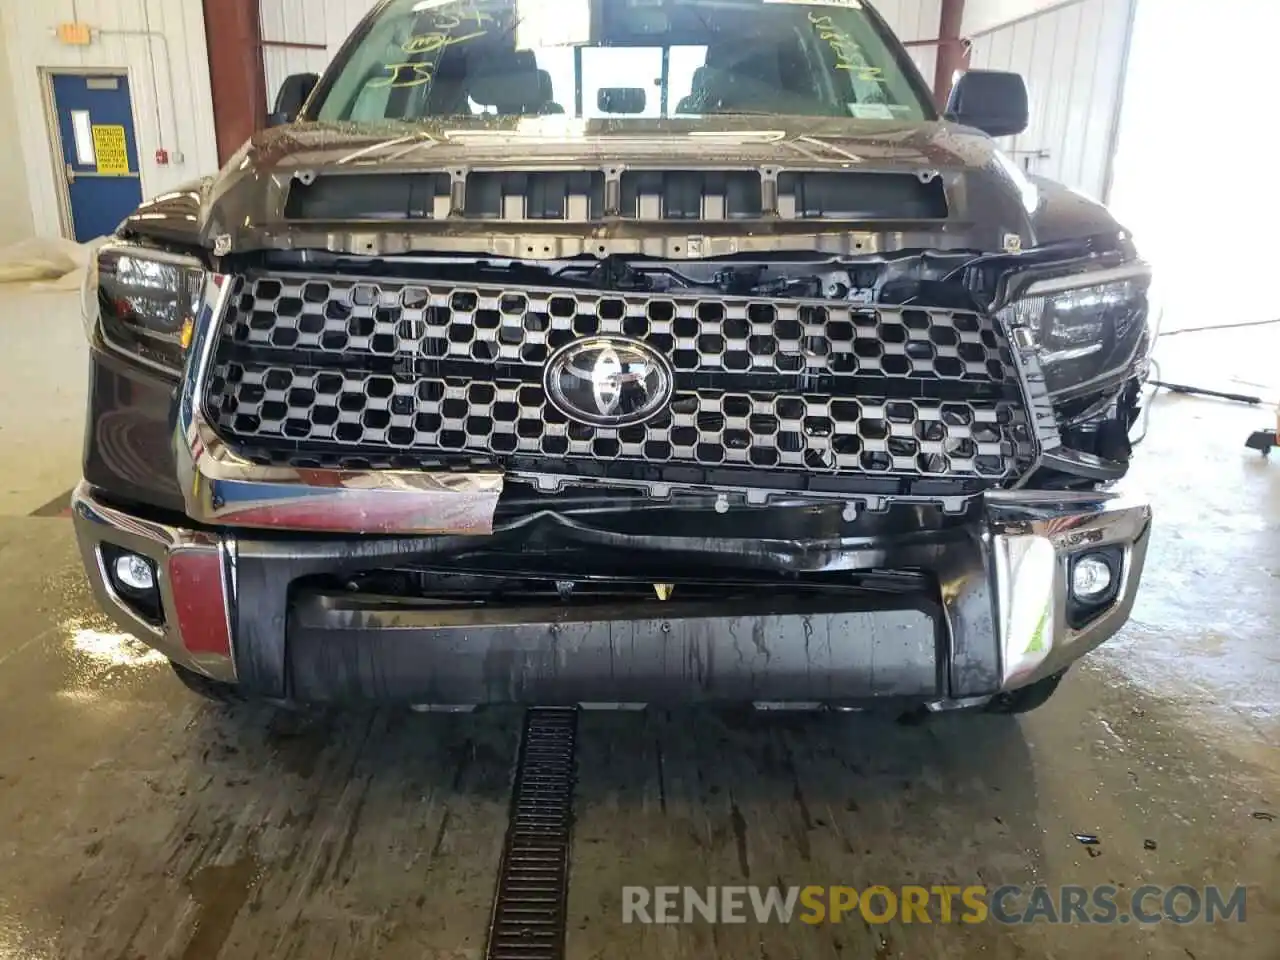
pixel 1002 616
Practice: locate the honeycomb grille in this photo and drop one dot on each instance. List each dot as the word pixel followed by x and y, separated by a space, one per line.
pixel 380 368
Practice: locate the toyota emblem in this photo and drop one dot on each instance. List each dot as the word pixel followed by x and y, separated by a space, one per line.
pixel 608 382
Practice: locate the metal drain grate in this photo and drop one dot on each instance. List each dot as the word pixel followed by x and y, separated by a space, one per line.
pixel 533 882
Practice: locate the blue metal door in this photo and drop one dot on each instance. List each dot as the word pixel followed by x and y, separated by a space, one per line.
pixel 99 151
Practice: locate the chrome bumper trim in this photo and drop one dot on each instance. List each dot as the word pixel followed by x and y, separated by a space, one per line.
pixel 221 487
pixel 1032 538
pixel 1005 586
pixel 195 573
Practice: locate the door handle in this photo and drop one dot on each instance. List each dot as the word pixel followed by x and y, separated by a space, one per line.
pixel 71 174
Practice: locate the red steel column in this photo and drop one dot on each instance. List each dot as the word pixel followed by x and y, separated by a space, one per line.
pixel 236 74
pixel 953 53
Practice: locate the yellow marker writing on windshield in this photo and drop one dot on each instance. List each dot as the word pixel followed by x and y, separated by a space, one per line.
pixel 419 73
pixel 431 42
pixel 849 56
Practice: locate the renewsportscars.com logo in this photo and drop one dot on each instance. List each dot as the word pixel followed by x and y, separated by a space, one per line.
pixel 1009 904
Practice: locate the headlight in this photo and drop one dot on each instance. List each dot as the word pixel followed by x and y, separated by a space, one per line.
pixel 1087 327
pixel 147 303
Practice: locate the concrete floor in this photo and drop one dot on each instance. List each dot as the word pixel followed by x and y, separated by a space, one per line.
pixel 43 385
pixel 142 823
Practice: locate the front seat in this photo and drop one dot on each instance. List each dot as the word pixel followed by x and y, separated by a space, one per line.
pixel 507 82
pixel 547 92
pixel 751 82
pixel 697 100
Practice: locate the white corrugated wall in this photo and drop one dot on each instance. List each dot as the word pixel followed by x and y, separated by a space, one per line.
pixel 1073 59
pixel 324 23
pixel 915 20
pixel 174 110
pixel 15 205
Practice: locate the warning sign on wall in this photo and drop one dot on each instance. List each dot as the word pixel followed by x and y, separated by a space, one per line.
pixel 109 145
pixel 76 34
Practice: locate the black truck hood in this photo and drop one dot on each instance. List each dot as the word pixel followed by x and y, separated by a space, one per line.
pixel 990 205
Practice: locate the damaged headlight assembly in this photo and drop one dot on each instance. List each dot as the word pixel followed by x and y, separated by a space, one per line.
pixel 144 303
pixel 1086 326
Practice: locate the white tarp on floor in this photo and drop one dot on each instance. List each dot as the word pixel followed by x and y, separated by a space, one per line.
pixel 57 264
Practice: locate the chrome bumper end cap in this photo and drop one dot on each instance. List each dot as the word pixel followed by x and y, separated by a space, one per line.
pixel 195 577
pixel 1032 539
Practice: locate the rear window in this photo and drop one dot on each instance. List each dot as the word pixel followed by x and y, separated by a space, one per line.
pixel 621 59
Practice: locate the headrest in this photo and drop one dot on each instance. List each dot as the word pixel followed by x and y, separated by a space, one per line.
pixel 510 82
pixel 762 65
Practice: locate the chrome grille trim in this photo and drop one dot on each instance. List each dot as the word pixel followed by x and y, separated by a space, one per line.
pixel 320 366
pixel 406 321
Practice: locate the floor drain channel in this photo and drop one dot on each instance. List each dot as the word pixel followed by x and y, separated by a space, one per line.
pixel 533 883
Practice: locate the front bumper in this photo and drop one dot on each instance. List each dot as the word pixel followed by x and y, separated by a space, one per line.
pixel 1002 618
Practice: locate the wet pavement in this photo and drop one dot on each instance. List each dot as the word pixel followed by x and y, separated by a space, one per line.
pixel 143 823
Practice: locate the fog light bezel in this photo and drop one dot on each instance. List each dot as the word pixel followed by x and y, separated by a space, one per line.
pixel 1083 610
pixel 144 603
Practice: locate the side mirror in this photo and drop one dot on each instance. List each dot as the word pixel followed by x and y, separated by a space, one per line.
pixel 993 101
pixel 292 98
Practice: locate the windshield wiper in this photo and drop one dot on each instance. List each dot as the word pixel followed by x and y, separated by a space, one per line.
pixel 740 113
pixel 414 140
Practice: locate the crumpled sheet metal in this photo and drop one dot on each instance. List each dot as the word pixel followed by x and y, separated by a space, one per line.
pixel 394 503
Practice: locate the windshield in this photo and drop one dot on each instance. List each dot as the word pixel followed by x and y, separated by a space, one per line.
pixel 620 59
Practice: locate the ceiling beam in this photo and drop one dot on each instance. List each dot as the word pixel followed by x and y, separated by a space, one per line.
pixel 953 52
pixel 236 73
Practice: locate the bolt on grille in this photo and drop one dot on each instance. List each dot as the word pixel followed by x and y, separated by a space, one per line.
pixel 377 367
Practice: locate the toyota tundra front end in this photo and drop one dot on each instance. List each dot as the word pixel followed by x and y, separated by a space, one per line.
pixel 509 369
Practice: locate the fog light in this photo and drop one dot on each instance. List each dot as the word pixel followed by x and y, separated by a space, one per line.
pixel 135 572
pixel 1091 578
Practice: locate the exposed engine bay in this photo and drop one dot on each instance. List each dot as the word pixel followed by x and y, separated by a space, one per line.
pixel 876 278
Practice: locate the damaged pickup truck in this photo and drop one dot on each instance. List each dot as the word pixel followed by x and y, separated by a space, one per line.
pixel 619 352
